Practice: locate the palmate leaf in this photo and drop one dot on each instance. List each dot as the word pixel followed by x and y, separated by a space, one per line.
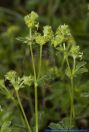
pixel 13 78
pixel 19 82
pixel 80 68
pixel 55 126
pixel 27 80
pixel 24 40
pixel 50 75
pixel 85 95
pixel 80 64
pixel 64 124
pixel 6 127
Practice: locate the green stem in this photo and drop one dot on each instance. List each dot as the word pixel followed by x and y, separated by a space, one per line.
pixel 72 87
pixel 36 107
pixel 35 84
pixel 15 102
pixel 74 63
pixel 33 63
pixel 62 64
pixel 68 64
pixel 40 62
pixel 72 101
pixel 72 115
pixel 21 107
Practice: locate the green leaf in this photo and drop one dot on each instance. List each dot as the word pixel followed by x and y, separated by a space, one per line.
pixel 27 80
pixel 55 126
pixel 80 68
pixel 64 124
pixel 6 126
pixel 80 64
pixel 80 71
pixel 85 95
pixel 14 79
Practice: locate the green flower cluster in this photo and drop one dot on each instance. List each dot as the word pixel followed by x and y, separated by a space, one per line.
pixel 47 35
pixel 62 35
pixel 62 39
pixel 12 77
pixel 31 20
pixel 48 32
pixel 18 82
pixel 75 52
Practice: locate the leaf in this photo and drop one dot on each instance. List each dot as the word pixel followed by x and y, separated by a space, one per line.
pixel 27 80
pixel 85 95
pixel 6 126
pixel 55 126
pixel 14 79
pixel 80 68
pixel 64 124
pixel 80 64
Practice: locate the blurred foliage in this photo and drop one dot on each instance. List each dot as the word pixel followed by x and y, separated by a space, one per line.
pixel 53 87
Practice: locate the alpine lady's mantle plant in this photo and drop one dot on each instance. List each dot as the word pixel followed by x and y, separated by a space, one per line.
pixel 63 42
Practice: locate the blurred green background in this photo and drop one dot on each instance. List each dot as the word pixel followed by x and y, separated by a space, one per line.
pixel 14 56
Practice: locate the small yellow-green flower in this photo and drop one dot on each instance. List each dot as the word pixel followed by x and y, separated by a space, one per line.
pixel 62 35
pixel 40 39
pixel 45 37
pixel 75 52
pixel 63 30
pixel 57 40
pixel 31 20
pixel 48 33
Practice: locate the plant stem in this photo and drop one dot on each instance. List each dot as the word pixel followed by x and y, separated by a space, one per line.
pixel 72 98
pixel 35 83
pixel 74 63
pixel 40 62
pixel 72 115
pixel 39 71
pixel 36 107
pixel 25 118
pixel 15 102
pixel 72 107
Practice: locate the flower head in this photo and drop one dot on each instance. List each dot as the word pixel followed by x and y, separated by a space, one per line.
pixel 75 52
pixel 48 33
pixel 63 30
pixel 31 20
pixel 45 37
pixel 40 39
pixel 62 35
